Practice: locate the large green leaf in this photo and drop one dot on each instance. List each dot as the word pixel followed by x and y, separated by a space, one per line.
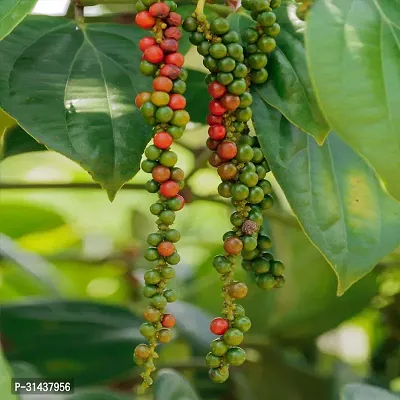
pixel 73 88
pixel 88 341
pixel 334 194
pixel 289 88
pixel 366 392
pixel 5 379
pixel 16 141
pixel 354 59
pixel 12 12
pixel 197 96
pixel 390 10
pixel 171 385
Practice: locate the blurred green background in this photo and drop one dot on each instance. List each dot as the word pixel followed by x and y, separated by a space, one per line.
pixel 71 270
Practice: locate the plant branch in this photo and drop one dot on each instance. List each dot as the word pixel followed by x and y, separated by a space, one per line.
pixel 78 7
pixel 200 6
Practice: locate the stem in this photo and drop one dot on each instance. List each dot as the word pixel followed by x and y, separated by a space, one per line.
pixel 78 7
pixel 220 9
pixel 200 7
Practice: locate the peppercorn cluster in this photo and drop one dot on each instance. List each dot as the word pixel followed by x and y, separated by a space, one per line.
pixel 163 108
pixel 241 165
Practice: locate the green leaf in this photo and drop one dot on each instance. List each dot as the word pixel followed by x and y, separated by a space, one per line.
pixel 89 341
pixel 12 12
pixel 170 385
pixel 390 10
pixel 19 219
pixel 73 88
pixel 5 380
pixel 334 194
pixel 6 123
pixel 289 88
pixel 366 392
pixel 197 97
pixel 16 141
pixel 353 52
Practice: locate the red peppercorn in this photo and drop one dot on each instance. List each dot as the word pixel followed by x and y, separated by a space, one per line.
pixel 153 54
pixel 214 119
pixel 162 140
pixel 160 173
pixel 173 33
pixel 145 20
pixel 169 189
pixel 233 245
pixel 175 58
pixel 166 249
pixel 172 71
pixel 160 10
pixel 174 19
pixel 227 150
pixel 212 144
pixel 216 90
pixel 215 159
pixel 216 132
pixel 142 98
pixel 162 84
pixel 177 102
pixel 169 45
pixel 230 101
pixel 216 108
pixel 168 321
pixel 219 326
pixel 146 42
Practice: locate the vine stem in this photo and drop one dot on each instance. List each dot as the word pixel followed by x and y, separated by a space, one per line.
pixel 79 13
pixel 200 7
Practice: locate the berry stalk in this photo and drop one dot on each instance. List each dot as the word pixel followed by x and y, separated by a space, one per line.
pixel 164 109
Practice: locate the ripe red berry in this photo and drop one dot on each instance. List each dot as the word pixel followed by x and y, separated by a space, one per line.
pixel 173 33
pixel 175 58
pixel 216 90
pixel 212 144
pixel 227 150
pixel 216 132
pixel 160 173
pixel 174 19
pixel 214 119
pixel 153 54
pixel 177 102
pixel 219 326
pixel 162 84
pixel 146 42
pixel 145 20
pixel 172 71
pixel 216 108
pixel 169 189
pixel 142 98
pixel 160 10
pixel 169 45
pixel 230 101
pixel 168 321
pixel 162 140
pixel 233 245
pixel 166 249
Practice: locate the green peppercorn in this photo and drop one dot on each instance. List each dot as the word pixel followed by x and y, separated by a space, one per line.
pixel 218 347
pixel 261 265
pixel 173 259
pixel 149 290
pixel 164 114
pixel 227 64
pixel 256 195
pixel 218 50
pixel 219 26
pixel 256 217
pixel 230 37
pixel 147 330
pixel 236 219
pixel 240 70
pixel 259 76
pixel 246 139
pixel 247 265
pixel 265 186
pixel 249 242
pixel 264 242
pixel 148 165
pixel 196 38
pixel 275 3
pixel 277 268
pixel 250 35
pixel 235 356
pixel 175 131
pixel 260 5
pixel 210 63
pixel 148 109
pixel 171 4
pixel 210 78
pixel 139 6
pixel 258 60
pixel 245 152
pixel 167 273
pixel 152 277
pixel 250 255
pixel 225 78
pixel 154 239
pixel 239 191
pixel 258 155
pixel 266 44
pixel 242 323
pixel 228 235
pixel 180 118
pixel 168 158
pixel 222 264
pixel 273 30
pixel 246 99
pixel 167 217
pixel 189 24
pixel 172 235
pixel 224 189
pixel 250 179
pixel 238 86
pixel 247 4
pixel 148 3
pixel 265 281
pixel 267 203
pixel 147 68
pixel 158 301
pixel 156 208
pixel 266 19
pixel 164 335
pixel 239 310
pixel 170 295
pixel 233 337
pixel 243 114
pixel 279 281
pixel 218 375
pixel 179 86
pixel 235 50
pixel 204 48
pixel 183 74
pixel 213 361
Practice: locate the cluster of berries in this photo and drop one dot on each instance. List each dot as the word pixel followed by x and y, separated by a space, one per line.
pixel 164 109
pixel 242 167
